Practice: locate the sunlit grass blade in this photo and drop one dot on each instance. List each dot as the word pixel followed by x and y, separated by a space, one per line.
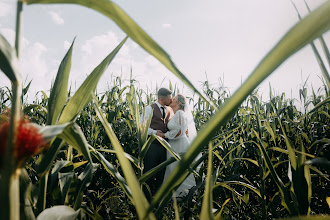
pixel 135 32
pixel 59 92
pixel 85 91
pixel 139 200
pixel 299 36
pixel 225 183
pixel 316 53
pixel 207 205
pixel 176 210
pixel 219 215
pixel 322 66
pixel 323 44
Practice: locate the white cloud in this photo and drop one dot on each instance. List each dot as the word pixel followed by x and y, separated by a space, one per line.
pixel 9 34
pixel 166 25
pixel 5 9
pixel 58 20
pixel 33 61
pixel 67 45
pixel 98 47
pixel 151 61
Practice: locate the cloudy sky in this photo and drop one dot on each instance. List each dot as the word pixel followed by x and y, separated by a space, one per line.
pixel 214 39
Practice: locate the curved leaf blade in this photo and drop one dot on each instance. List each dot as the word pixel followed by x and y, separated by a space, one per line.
pixel 8 61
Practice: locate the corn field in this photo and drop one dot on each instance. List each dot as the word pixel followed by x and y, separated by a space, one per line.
pixel 79 155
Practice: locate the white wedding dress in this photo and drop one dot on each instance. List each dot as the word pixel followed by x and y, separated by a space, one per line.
pixel 180 143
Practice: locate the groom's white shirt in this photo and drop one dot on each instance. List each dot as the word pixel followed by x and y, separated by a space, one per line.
pixel 147 112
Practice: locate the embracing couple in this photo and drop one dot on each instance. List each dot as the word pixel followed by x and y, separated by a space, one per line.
pixel 172 121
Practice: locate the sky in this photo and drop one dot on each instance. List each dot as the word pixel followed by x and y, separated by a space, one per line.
pixel 214 40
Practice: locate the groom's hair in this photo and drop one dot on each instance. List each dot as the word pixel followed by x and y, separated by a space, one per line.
pixel 163 93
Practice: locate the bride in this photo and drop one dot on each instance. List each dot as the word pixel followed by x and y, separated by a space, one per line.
pixel 179 139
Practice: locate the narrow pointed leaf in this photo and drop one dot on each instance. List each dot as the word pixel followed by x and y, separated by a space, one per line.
pixel 207 206
pixel 59 91
pixel 85 91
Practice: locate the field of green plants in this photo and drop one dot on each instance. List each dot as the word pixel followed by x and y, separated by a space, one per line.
pixel 79 155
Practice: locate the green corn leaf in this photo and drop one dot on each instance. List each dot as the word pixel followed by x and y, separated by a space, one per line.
pixel 26 89
pixel 290 149
pixel 49 132
pixel 85 91
pixel 139 200
pixel 156 169
pixel 26 210
pixel 56 169
pixel 75 137
pixel 85 178
pixel 145 147
pixel 321 162
pixel 206 212
pixel 254 189
pixel 323 44
pixel 285 195
pixel 325 176
pixel 247 159
pixel 115 13
pixel 317 55
pixel 324 70
pixel 176 210
pixel 59 91
pixel 65 180
pixel 300 35
pixel 219 215
pixel 111 169
pixel 28 108
pixel 8 61
pixel 128 156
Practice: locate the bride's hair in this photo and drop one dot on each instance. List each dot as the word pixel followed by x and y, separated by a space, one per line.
pixel 182 101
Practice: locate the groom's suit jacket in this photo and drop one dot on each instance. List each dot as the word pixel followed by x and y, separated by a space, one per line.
pixel 157 121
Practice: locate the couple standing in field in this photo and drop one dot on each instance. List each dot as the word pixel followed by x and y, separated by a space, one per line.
pixel 172 121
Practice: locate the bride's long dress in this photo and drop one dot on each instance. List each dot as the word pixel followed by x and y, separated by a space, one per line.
pixel 179 142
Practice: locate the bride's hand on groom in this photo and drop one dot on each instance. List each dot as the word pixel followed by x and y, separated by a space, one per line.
pixel 160 134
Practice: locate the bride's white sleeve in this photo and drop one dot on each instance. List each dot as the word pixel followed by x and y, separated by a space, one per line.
pixel 180 128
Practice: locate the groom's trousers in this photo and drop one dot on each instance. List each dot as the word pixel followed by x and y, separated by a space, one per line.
pixel 155 155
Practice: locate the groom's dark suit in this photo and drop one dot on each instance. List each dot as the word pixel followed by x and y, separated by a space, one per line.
pixel 156 153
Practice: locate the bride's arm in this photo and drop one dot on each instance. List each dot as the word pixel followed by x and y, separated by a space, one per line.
pixel 177 132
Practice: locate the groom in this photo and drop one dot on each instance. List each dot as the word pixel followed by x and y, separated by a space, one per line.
pixel 156 153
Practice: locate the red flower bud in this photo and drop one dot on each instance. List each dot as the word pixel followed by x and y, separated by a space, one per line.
pixel 29 141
